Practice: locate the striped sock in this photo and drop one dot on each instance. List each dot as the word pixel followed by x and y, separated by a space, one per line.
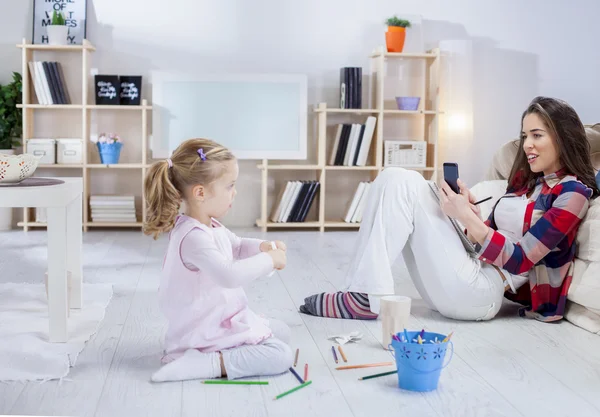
pixel 339 305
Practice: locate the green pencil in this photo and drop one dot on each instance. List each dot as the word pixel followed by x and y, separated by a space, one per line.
pixel 293 389
pixel 378 375
pixel 227 382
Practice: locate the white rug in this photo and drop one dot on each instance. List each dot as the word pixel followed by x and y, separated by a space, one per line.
pixel 25 353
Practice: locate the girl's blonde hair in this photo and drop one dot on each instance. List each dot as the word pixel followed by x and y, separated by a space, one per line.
pixel 194 162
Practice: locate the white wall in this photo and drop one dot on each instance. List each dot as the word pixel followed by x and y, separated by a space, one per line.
pixel 521 49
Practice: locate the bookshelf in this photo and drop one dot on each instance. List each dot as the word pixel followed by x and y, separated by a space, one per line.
pixel 427 114
pixel 80 112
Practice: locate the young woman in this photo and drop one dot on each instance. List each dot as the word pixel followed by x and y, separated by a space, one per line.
pixel 524 249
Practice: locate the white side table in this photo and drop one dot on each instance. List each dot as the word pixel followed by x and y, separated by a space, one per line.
pixel 65 236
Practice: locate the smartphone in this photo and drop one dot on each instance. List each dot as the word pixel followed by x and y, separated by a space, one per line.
pixel 451 175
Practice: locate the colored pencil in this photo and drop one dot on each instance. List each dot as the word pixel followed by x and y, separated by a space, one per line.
pixel 342 353
pixel 367 365
pixel 306 372
pixel 447 338
pixel 377 375
pixel 419 340
pixel 293 389
pixel 334 355
pixel 296 360
pixel 227 382
pixel 297 376
pixel 481 201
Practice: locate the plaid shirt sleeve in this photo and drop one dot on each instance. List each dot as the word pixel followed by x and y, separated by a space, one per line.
pixel 564 217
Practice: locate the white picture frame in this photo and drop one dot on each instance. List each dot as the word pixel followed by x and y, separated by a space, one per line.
pixel 75 12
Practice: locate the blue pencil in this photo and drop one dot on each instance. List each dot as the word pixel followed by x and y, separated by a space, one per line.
pixel 297 376
pixel 406 335
pixel 334 355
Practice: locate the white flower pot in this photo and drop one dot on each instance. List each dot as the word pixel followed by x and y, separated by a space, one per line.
pixel 57 34
pixel 6 212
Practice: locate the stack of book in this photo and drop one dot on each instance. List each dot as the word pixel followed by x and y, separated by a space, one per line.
pixel 294 201
pixel 49 82
pixel 352 143
pixel 351 88
pixel 357 205
pixel 113 209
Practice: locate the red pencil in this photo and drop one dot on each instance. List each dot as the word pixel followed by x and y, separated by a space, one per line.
pixel 306 372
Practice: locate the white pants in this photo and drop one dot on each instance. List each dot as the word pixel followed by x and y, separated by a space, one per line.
pixel 271 357
pixel 402 215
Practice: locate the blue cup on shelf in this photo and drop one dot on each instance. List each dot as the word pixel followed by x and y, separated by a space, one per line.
pixel 420 365
pixel 110 152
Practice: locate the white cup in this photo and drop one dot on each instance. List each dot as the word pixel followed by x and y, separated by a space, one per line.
pixel 394 313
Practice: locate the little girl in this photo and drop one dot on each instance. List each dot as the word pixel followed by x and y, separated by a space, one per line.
pixel 211 331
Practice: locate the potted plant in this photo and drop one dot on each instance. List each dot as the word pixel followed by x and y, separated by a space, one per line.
pixel 57 30
pixel 109 147
pixel 396 34
pixel 11 120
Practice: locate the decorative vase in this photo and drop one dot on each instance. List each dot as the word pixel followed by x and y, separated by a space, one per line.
pixel 57 34
pixel 394 38
pixel 110 152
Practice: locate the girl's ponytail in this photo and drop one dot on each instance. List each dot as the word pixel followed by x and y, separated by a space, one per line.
pixel 162 200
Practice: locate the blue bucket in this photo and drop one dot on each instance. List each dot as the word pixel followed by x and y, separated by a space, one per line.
pixel 419 365
pixel 110 152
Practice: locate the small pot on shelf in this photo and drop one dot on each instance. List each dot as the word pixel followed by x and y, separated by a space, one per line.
pixel 396 34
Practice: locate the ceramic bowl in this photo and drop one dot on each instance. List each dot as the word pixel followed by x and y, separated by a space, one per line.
pixel 15 168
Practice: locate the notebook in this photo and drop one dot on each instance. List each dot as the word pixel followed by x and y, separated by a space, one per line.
pixel 469 246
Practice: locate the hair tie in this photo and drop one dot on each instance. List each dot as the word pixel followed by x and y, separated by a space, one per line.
pixel 202 154
pixel 170 163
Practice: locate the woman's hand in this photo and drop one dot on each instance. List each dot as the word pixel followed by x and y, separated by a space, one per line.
pixel 455 205
pixel 465 191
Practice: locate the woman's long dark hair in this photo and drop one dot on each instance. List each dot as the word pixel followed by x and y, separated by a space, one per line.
pixel 564 125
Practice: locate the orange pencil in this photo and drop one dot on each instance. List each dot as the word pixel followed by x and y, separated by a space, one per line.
pixel 367 365
pixel 342 353
pixel 306 372
pixel 447 338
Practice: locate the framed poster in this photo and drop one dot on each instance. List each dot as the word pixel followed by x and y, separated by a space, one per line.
pixel 74 11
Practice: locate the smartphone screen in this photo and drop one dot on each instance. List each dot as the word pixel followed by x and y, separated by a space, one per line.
pixel 451 175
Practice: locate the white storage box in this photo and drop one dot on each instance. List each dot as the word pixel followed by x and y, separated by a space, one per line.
pixel 69 151
pixel 411 154
pixel 46 148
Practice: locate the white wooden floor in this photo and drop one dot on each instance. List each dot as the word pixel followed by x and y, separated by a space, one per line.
pixel 509 366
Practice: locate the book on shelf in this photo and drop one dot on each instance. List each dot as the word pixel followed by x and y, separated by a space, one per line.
pixel 113 209
pixel 351 88
pixel 357 204
pixel 294 201
pixel 352 143
pixel 48 82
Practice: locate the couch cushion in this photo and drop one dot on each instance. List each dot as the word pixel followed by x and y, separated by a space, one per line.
pixel 588 236
pixel 585 288
pixel 583 317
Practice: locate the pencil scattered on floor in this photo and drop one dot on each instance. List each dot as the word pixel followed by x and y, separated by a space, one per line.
pixel 227 382
pixel 377 375
pixel 297 376
pixel 306 372
pixel 342 353
pixel 334 355
pixel 366 365
pixel 296 359
pixel 293 390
